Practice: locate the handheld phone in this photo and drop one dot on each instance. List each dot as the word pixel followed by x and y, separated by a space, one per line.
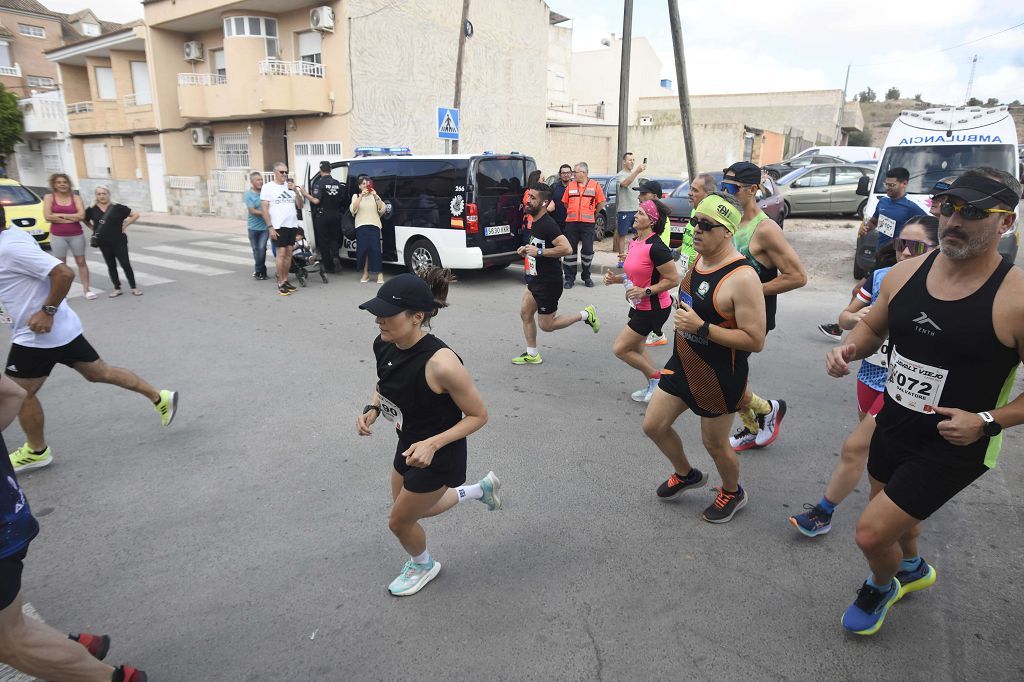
pixel 369 185
pixel 645 160
pixel 686 298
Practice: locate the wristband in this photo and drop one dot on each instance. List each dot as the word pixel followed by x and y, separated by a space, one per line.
pixel 540 251
pixel 372 407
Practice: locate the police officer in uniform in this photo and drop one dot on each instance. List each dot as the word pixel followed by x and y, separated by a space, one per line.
pixel 326 198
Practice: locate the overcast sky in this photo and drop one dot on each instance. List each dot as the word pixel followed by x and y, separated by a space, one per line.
pixel 748 46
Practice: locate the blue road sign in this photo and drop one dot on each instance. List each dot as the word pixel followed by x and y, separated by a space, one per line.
pixel 447 123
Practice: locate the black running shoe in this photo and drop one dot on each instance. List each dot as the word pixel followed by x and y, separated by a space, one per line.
pixel 832 331
pixel 677 484
pixel 725 506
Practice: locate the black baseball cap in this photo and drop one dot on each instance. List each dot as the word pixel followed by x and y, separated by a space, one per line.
pixel 325 165
pixel 745 173
pixel 398 294
pixel 980 191
pixel 652 186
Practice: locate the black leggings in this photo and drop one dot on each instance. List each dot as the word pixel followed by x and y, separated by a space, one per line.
pixel 114 254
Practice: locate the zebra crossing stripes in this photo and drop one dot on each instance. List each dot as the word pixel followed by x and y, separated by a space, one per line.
pixel 218 256
pixel 99 269
pixel 171 264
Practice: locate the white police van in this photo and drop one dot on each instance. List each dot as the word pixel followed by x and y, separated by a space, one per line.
pixel 461 211
pixel 936 143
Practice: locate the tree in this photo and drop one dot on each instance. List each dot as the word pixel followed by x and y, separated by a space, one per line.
pixel 866 95
pixel 11 122
pixel 1015 103
pixel 892 93
pixel 992 102
pixel 917 97
pixel 974 102
pixel 860 138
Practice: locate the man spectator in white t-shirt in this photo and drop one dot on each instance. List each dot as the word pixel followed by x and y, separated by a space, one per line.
pixel 280 202
pixel 627 203
pixel 46 331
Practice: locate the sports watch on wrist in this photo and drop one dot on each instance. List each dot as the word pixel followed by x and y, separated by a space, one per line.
pixel 50 309
pixel 705 330
pixel 647 291
pixel 372 407
pixel 991 427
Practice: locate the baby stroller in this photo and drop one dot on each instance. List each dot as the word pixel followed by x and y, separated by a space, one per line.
pixel 305 262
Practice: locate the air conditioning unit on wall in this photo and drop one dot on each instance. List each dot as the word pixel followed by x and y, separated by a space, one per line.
pixel 202 136
pixel 193 51
pixel 322 19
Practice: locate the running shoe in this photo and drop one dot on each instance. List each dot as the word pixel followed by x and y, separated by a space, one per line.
pixel 725 506
pixel 97 645
pixel 640 396
pixel 592 320
pixel 413 578
pixel 656 340
pixel 167 406
pixel 291 287
pixel 815 521
pixel 918 579
pixel 126 673
pixel 283 290
pixel 867 613
pixel 25 458
pixel 771 424
pixel 832 331
pixel 677 484
pixel 744 439
pixel 490 485
pixel 527 359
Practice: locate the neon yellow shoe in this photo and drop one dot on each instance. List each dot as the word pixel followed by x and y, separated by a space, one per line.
pixel 167 406
pixel 592 320
pixel 527 359
pixel 25 458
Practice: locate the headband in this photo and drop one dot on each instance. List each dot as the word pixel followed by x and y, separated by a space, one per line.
pixel 651 210
pixel 722 211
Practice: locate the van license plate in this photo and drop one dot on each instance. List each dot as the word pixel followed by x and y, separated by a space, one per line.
pixel 497 229
pixel 35 231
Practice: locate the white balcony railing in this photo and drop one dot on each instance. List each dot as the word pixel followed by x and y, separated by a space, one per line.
pixel 80 107
pixel 138 99
pixel 42 108
pixel 11 70
pixel 201 79
pixel 273 67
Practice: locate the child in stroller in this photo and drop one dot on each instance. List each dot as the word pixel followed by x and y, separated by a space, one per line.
pixel 304 261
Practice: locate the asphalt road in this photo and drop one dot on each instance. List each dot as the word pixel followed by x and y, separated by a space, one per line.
pixel 249 540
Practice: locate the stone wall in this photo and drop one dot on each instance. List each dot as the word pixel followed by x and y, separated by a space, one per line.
pixel 131 193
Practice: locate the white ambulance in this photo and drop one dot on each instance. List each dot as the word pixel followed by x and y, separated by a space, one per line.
pixel 933 144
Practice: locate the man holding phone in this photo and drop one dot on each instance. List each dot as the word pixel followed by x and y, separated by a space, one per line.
pixel 719 323
pixel 280 202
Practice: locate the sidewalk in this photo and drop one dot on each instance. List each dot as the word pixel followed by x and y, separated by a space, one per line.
pixel 196 223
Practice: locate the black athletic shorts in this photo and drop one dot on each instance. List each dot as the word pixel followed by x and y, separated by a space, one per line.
pixel 643 322
pixel 25 362
pixel 10 577
pixel 920 477
pixel 448 468
pixel 706 395
pixel 286 236
pixel 546 292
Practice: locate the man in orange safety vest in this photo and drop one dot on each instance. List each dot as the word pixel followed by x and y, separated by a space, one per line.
pixel 583 200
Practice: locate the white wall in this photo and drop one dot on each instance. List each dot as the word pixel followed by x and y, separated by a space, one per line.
pixel 595 77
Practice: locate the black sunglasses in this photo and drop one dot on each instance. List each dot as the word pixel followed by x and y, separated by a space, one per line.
pixel 702 225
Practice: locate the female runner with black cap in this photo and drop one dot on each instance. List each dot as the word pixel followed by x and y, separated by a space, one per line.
pixel 424 389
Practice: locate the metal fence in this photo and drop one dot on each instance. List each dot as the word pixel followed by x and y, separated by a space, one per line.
pixel 274 67
pixel 201 79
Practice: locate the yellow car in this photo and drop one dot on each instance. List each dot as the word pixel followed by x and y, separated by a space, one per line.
pixel 24 208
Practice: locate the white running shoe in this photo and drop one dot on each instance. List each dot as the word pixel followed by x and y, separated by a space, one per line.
pixel 771 424
pixel 414 577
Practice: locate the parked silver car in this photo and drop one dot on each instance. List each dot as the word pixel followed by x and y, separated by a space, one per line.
pixel 829 188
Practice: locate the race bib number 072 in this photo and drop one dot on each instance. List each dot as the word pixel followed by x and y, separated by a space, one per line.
pixel 914 385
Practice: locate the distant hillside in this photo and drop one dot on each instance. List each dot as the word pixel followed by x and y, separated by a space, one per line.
pixel 879 116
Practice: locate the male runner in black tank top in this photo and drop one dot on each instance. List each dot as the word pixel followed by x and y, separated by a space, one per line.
pixel 955 322
pixel 720 321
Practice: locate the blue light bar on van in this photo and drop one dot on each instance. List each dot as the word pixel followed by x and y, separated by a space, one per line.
pixel 383 151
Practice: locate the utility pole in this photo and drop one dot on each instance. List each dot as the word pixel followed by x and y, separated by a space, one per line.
pixel 970 81
pixel 627 45
pixel 457 103
pixel 842 108
pixel 684 91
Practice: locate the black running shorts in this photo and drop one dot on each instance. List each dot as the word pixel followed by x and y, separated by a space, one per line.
pixel 643 322
pixel 286 236
pixel 26 362
pixel 546 292
pixel 447 469
pixel 10 577
pixel 920 477
pixel 705 394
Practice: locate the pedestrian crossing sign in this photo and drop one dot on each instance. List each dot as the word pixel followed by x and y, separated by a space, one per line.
pixel 447 123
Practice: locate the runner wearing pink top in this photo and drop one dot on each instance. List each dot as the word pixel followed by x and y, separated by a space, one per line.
pixel 651 274
pixel 64 211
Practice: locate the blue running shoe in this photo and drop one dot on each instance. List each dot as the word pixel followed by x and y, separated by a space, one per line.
pixel 814 521
pixel 413 578
pixel 867 613
pixel 490 485
pixel 912 581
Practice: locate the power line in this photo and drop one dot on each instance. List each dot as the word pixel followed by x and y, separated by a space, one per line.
pixel 944 49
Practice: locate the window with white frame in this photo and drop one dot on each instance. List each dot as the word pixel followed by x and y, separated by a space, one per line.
pixel 90 29
pixel 97 160
pixel 310 46
pixel 105 83
pixel 31 31
pixel 140 81
pixel 52 161
pixel 218 66
pixel 232 150
pixel 255 27
pixel 6 61
pixel 39 81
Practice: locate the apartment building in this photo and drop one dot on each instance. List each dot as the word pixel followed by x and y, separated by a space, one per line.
pixel 174 113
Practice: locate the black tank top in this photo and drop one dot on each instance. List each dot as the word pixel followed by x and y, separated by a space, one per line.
pixel 945 353
pixel 406 399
